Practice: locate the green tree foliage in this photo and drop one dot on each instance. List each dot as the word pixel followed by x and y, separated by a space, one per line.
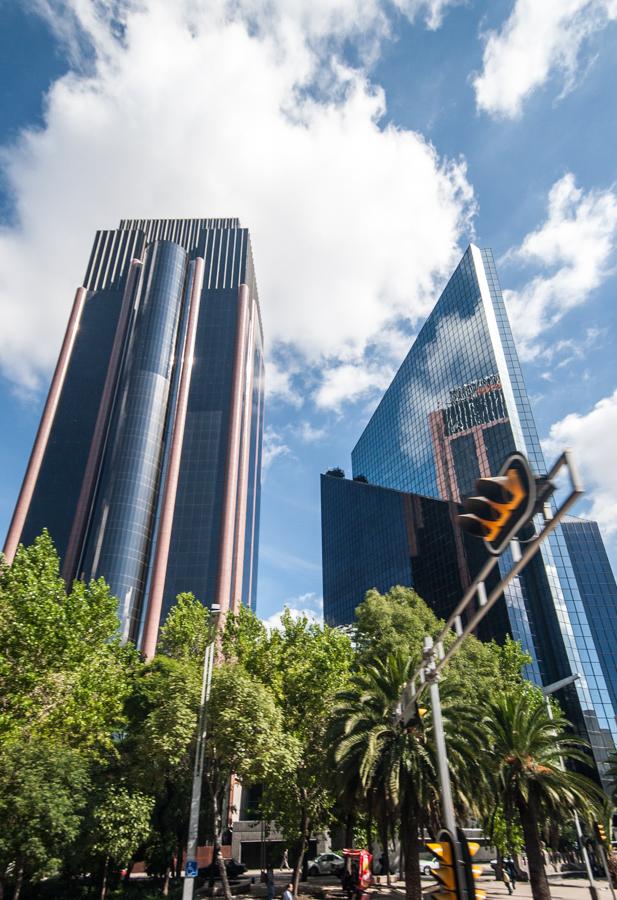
pixel 304 665
pixel 63 671
pixel 524 757
pixel 119 822
pixel 399 765
pixel 43 790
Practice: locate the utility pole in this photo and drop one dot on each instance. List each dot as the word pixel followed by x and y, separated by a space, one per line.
pixel 190 866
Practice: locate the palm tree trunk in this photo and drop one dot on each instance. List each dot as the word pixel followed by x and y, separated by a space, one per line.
pixel 409 847
pixel 528 814
pixel 384 844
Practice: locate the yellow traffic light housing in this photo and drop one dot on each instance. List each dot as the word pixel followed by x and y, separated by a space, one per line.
pixel 502 506
pixel 600 832
pixel 447 874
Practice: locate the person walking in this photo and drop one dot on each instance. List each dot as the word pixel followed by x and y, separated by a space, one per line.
pixel 288 892
pixel 511 870
pixel 285 860
pixel 507 880
pixel 270 883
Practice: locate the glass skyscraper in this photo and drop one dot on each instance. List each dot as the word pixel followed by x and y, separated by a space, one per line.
pixel 146 466
pixel 455 409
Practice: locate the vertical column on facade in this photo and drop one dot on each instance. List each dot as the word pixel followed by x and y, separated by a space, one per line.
pixel 256 477
pixel 86 494
pixel 243 472
pixel 228 518
pixel 44 430
pixel 161 555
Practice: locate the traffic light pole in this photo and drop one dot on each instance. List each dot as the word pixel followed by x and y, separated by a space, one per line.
pixel 447 804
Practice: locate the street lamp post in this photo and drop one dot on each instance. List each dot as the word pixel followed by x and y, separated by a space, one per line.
pixel 550 689
pixel 190 866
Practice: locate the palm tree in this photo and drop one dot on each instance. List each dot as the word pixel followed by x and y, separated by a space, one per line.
pixel 526 752
pixel 398 765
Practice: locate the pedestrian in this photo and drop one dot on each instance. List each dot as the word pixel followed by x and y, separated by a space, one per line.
pixel 285 860
pixel 288 892
pixel 507 880
pixel 511 868
pixel 270 883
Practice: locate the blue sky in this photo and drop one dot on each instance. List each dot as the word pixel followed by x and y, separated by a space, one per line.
pixel 364 143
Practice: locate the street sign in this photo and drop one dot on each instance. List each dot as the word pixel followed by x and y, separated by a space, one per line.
pixel 190 868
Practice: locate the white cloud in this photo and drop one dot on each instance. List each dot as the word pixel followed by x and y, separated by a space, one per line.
pixel 309 606
pixel 204 108
pixel 274 447
pixel 349 382
pixel 593 437
pixel 576 244
pixel 539 38
pixel 308 434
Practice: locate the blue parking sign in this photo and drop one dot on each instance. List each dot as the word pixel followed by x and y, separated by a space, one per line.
pixel 190 868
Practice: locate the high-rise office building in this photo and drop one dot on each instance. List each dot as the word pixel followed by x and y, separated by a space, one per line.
pixel 375 537
pixel 455 409
pixel 146 466
pixel 598 590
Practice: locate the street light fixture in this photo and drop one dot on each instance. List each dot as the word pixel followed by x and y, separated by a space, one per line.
pixel 190 866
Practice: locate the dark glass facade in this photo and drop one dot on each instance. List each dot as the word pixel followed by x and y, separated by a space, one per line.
pixel 598 590
pixel 455 409
pixel 374 537
pixel 134 444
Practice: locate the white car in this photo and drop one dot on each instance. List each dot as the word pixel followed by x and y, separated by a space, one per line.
pixel 427 868
pixel 326 864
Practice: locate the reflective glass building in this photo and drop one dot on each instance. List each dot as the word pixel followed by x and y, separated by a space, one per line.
pixel 375 537
pixel 455 409
pixel 598 590
pixel 146 467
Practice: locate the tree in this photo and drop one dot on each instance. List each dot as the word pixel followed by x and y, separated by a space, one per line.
pixel 119 822
pixel 524 753
pixel 42 794
pixel 399 764
pixel 245 739
pixel 303 664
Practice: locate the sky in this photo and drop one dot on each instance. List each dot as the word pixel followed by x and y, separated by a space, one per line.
pixel 364 143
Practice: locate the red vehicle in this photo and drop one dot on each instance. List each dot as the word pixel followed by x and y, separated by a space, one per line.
pixel 361 872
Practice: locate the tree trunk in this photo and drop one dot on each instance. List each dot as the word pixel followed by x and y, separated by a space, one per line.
pixel 384 845
pixel 19 877
pixel 103 892
pixel 349 824
pixel 529 820
pixel 304 835
pixel 409 847
pixel 166 883
pixel 217 854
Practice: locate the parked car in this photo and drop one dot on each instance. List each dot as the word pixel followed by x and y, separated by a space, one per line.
pixel 326 864
pixel 427 868
pixel 234 868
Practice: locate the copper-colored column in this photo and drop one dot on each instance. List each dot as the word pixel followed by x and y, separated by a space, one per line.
pixel 42 435
pixel 233 448
pixel 71 557
pixel 241 504
pixel 161 554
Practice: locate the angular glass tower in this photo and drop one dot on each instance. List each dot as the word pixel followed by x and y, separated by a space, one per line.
pixel 455 409
pixel 146 466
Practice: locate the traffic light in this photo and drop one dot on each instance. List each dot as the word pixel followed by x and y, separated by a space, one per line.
pixel 600 832
pixel 472 873
pixel 445 849
pixel 502 506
